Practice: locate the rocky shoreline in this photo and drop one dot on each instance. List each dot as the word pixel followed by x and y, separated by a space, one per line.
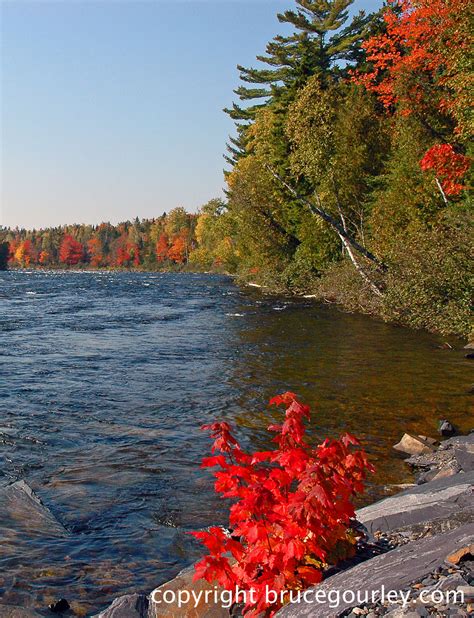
pixel 419 542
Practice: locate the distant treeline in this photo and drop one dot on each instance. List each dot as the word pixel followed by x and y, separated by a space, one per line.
pixel 349 171
pixel 147 244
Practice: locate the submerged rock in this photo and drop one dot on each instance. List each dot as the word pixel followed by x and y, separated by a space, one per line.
pixel 21 510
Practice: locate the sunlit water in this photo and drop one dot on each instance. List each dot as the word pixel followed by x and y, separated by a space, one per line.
pixel 107 377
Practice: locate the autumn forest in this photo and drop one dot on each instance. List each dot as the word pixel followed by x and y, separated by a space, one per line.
pixel 347 176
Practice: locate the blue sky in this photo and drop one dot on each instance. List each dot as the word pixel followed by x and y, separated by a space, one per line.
pixel 113 109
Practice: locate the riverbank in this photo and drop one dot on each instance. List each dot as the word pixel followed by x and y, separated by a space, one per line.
pixel 417 558
pixel 404 301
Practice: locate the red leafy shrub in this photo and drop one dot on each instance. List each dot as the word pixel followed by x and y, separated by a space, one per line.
pixel 292 511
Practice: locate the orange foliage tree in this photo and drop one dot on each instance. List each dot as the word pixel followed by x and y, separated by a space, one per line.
pixel 177 251
pixel 44 258
pixel 94 248
pixel 24 253
pixel 161 248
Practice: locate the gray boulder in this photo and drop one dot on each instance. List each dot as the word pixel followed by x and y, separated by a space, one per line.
pixel 127 606
pixel 446 428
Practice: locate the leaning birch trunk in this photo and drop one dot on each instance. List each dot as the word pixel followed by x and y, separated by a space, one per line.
pixel 373 286
pixel 348 240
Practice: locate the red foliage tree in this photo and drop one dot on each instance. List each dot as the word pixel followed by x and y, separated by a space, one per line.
pixel 162 246
pixel 71 251
pixel 413 72
pixel 292 512
pixel 135 254
pixel 406 60
pixel 128 254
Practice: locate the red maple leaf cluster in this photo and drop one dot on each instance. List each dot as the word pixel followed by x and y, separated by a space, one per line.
pixel 448 166
pixel 292 511
pixel 405 58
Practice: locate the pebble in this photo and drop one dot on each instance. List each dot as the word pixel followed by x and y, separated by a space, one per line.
pixel 468 592
pixel 451 582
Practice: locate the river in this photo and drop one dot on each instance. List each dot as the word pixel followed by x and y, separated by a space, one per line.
pixel 106 378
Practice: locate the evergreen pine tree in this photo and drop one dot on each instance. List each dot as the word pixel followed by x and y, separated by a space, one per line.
pixel 324 43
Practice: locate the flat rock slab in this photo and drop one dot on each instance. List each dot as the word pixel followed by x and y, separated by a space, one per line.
pixel 465 458
pixel 30 530
pixel 414 445
pixel 440 499
pixel 21 511
pixel 395 570
pixel 13 611
pixel 458 442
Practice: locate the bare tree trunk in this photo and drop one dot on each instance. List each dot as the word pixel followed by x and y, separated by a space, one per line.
pixel 343 221
pixel 373 286
pixel 377 291
pixel 441 190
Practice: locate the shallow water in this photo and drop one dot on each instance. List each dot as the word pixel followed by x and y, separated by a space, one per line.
pixel 107 377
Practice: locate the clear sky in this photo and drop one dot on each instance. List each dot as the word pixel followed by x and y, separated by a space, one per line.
pixel 113 109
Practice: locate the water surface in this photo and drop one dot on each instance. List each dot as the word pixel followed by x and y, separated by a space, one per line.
pixel 107 377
